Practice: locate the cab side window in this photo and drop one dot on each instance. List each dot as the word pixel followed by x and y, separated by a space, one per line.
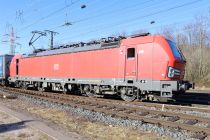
pixel 130 53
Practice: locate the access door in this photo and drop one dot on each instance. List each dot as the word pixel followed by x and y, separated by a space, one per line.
pixel 17 66
pixel 130 63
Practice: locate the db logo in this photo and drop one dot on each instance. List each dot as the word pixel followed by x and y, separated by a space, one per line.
pixel 56 66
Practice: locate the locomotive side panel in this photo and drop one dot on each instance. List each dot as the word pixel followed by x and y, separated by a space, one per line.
pixel 162 58
pixel 89 64
pixel 13 65
pixel 160 63
pixel 96 64
pixel 30 67
pixel 145 61
pixel 46 66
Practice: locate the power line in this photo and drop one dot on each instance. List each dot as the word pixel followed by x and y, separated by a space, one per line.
pixel 61 25
pixel 127 21
pixel 113 11
pixel 49 15
pixel 141 17
pixel 177 31
pixel 133 19
pixel 44 7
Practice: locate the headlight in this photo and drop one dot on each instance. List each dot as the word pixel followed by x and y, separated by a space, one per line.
pixel 172 72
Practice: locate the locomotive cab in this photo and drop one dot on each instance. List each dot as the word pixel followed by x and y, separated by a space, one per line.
pixel 155 65
pixel 176 70
pixel 171 81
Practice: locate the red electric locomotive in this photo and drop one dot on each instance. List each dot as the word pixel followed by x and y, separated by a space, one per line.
pixel 134 67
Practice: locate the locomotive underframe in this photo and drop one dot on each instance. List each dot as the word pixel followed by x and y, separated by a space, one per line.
pixel 133 88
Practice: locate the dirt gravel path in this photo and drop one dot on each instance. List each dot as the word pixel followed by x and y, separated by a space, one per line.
pixel 15 125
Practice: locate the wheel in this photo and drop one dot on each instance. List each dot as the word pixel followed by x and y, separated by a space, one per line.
pixel 88 91
pixel 3 83
pixel 41 89
pixel 24 86
pixel 65 91
pixel 128 94
pixel 16 84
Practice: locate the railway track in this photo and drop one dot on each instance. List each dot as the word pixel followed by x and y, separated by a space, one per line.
pixel 159 114
pixel 196 97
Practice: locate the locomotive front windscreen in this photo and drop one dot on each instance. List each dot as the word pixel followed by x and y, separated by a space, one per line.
pixel 1 66
pixel 176 52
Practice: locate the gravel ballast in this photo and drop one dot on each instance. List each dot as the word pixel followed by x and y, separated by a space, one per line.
pixel 112 120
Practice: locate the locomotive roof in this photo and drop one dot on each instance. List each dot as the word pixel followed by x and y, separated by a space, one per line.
pixel 74 48
pixel 105 43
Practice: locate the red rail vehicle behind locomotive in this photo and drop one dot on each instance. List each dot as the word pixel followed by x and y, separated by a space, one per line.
pixel 134 67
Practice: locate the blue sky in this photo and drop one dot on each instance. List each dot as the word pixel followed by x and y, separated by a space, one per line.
pixel 99 19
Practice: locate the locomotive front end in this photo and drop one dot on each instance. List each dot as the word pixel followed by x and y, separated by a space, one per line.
pixel 176 68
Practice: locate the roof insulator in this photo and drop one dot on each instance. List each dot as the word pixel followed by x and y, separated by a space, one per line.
pixel 83 6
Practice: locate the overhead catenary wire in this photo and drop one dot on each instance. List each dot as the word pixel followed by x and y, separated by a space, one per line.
pixel 139 17
pixel 177 31
pixel 113 11
pixel 101 14
pixel 49 15
pixel 57 26
pixel 122 22
pixel 102 27
pixel 129 19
